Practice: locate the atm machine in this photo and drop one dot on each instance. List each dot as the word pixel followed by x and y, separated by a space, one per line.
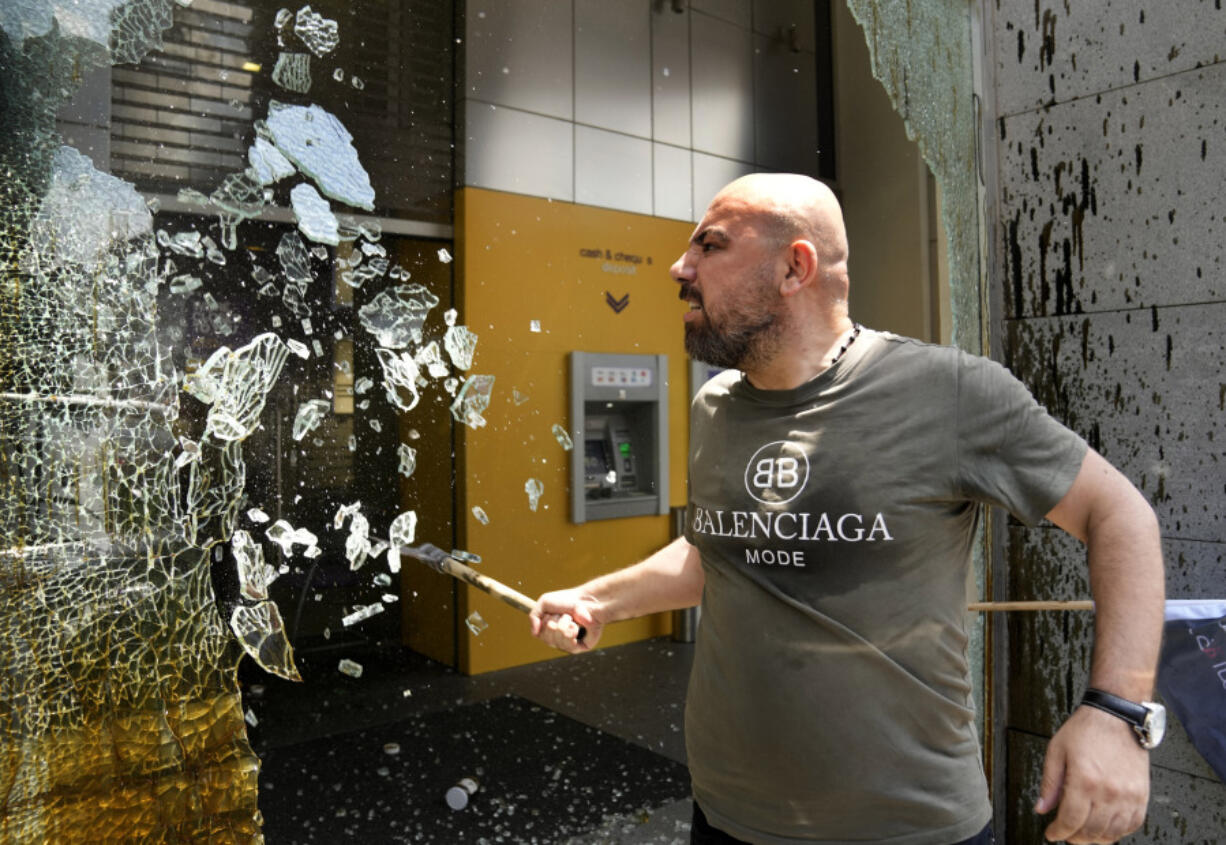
pixel 619 420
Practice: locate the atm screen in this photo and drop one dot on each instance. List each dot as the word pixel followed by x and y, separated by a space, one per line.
pixel 596 459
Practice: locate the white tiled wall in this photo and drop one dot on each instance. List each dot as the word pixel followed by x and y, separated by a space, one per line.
pixel 630 105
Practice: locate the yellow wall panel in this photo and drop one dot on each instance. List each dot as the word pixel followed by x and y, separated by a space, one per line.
pixel 522 259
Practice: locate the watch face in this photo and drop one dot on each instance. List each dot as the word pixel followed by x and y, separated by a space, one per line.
pixel 1155 724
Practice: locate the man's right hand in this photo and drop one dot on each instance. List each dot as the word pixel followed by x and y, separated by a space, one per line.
pixel 557 616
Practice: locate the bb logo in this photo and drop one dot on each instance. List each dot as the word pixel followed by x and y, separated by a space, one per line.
pixel 777 473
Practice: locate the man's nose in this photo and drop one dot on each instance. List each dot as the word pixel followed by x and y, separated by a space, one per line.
pixel 681 271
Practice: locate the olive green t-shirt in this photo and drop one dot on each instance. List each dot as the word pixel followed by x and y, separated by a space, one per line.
pixel 830 698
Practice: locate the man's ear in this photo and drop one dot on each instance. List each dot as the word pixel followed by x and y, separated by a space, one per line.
pixel 802 269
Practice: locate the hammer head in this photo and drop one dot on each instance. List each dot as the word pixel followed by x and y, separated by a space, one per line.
pixel 427 553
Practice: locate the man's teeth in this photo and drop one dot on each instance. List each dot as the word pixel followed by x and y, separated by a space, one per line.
pixel 695 306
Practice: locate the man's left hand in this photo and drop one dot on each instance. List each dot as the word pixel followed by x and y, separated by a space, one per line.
pixel 1097 774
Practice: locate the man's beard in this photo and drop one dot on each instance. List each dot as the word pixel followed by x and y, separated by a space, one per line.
pixel 740 341
pixel 739 347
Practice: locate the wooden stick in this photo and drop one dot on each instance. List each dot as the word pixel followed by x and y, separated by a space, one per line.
pixel 993 606
pixel 487 584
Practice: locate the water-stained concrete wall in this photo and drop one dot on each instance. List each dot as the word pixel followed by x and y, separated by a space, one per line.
pixel 1107 157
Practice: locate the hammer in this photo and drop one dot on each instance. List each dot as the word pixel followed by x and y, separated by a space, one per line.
pixel 440 561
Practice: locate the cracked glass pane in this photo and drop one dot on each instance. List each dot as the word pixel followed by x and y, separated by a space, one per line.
pixel 921 54
pixel 253 573
pixel 164 508
pixel 261 633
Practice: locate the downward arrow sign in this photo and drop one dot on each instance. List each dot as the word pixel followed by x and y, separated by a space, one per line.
pixel 618 305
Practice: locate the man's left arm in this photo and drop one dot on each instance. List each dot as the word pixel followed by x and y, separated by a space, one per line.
pixel 1096 772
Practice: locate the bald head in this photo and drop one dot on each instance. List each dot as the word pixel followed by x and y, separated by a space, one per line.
pixel 792 206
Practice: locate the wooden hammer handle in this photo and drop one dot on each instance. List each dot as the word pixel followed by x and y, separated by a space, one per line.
pixel 495 588
pixel 989 606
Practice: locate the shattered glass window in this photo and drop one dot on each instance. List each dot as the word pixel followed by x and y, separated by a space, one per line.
pixel 187 389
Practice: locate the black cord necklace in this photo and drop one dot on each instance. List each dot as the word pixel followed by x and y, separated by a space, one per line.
pixel 855 333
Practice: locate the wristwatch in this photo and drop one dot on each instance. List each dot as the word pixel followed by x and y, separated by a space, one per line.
pixel 1147 718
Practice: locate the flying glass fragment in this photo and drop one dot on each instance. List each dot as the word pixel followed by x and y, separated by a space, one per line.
pixel 472 400
pixel 310 414
pixel 318 33
pixel 408 459
pixel 534 489
pixel 460 343
pixel 314 214
pixel 396 315
pixel 320 146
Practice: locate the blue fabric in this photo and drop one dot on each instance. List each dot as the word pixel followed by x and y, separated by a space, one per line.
pixel 1192 680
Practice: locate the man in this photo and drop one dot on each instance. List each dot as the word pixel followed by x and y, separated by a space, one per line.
pixel 835 487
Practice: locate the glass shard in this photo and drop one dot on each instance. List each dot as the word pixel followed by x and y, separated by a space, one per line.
pixel 361 614
pixel 475 623
pixel 349 667
pixel 314 214
pixel 400 376
pixel 185 283
pixel 562 437
pixel 481 515
pixel 298 348
pixel 431 358
pixel 257 516
pixel 517 397
pixel 396 315
pixel 287 536
pixel 320 146
pixel 465 557
pixel 247 377
pixel 293 72
pixel 444 256
pixel 266 163
pixel 319 34
pixel 261 633
pixel 460 343
pixel 534 489
pixel 450 316
pixel 534 326
pixel 408 459
pixel 249 561
pixel 403 530
pixel 296 264
pixel 310 414
pixel 473 399
pixel 190 451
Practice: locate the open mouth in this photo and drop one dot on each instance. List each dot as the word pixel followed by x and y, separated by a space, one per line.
pixel 691 296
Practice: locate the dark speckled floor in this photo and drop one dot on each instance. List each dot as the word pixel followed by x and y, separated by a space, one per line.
pixel 616 713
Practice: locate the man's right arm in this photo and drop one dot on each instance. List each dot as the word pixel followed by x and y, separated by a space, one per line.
pixel 668 580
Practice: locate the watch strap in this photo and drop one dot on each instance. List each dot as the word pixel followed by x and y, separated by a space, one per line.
pixel 1131 712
